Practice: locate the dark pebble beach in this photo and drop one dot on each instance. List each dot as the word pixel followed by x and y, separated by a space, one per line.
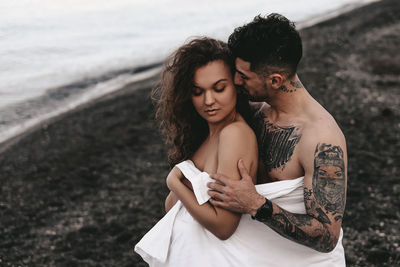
pixel 83 188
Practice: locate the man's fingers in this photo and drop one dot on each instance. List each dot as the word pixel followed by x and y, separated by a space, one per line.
pixel 216 195
pixel 216 186
pixel 242 170
pixel 217 203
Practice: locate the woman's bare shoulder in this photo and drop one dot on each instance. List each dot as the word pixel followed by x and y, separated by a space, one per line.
pixel 239 139
pixel 238 130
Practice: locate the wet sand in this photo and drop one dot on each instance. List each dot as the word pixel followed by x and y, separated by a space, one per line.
pixel 82 189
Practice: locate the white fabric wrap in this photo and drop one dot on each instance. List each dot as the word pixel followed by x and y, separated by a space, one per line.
pixel 179 240
pixel 198 179
pixel 155 246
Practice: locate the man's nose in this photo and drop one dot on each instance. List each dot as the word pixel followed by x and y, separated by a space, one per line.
pixel 209 98
pixel 238 80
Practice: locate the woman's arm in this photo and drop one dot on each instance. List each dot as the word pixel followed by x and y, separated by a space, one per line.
pixel 170 201
pixel 236 141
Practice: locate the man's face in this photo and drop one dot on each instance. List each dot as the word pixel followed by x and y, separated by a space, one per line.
pixel 249 81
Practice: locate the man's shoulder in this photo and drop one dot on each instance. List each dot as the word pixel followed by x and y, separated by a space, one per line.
pixel 322 132
pixel 321 129
pixel 322 124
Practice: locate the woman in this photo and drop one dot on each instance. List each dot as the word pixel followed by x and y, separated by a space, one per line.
pixel 202 115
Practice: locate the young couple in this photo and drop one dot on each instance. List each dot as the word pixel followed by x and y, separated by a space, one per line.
pixel 254 184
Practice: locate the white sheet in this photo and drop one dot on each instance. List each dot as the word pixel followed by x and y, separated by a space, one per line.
pixel 179 240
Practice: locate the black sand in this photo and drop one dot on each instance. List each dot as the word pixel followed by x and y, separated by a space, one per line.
pixel 83 189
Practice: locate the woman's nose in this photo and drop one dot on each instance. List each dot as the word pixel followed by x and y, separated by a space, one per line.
pixel 209 98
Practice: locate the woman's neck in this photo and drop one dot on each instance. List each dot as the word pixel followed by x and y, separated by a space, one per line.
pixel 215 128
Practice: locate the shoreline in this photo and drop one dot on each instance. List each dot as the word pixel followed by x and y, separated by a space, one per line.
pixel 16 132
pixel 84 188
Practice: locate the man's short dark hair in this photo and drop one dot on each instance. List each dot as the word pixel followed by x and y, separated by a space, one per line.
pixel 270 44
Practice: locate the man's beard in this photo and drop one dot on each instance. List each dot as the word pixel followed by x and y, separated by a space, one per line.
pixel 254 98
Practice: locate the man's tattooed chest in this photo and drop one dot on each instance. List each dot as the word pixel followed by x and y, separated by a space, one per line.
pixel 276 144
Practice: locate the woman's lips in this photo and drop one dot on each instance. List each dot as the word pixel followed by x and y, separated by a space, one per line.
pixel 211 112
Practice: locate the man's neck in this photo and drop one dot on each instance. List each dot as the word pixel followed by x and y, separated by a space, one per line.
pixel 290 99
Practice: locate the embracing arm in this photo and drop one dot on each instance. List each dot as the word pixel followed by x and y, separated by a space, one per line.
pixel 325 166
pixel 324 198
pixel 231 147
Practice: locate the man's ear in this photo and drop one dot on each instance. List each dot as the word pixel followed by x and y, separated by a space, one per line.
pixel 276 80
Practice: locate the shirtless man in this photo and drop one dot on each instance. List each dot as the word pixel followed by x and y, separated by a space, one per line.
pixel 296 136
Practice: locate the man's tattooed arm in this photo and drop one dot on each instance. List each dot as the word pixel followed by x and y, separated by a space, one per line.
pixel 324 201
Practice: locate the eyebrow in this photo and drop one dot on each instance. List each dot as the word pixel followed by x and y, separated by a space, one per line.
pixel 214 84
pixel 241 73
pixel 220 80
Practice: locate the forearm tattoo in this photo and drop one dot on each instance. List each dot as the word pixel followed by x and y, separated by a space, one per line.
pixel 275 144
pixel 296 227
pixel 325 200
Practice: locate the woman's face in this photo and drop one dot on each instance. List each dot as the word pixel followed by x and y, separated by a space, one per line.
pixel 214 94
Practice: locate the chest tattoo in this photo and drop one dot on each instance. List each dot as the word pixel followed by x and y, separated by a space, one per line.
pixel 276 144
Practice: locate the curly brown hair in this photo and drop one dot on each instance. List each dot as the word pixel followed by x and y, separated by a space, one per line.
pixel 184 128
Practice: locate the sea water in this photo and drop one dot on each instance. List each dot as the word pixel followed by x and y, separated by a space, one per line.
pixel 58 54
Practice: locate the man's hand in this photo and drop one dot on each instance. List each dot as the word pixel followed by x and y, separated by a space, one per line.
pixel 237 196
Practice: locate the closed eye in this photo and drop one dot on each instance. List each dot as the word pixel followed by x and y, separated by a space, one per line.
pixel 244 77
pixel 219 90
pixel 196 91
